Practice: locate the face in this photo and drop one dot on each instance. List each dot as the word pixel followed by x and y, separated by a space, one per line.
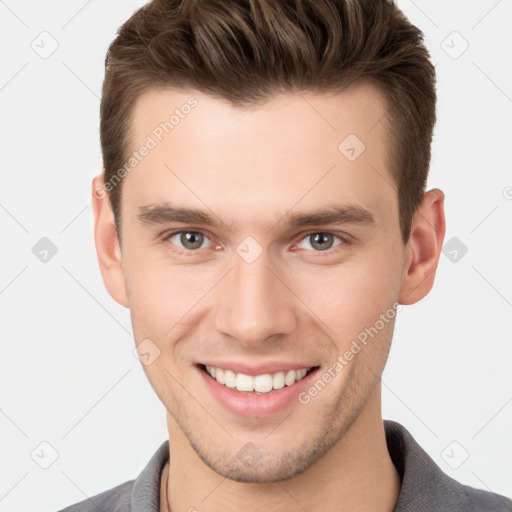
pixel 292 251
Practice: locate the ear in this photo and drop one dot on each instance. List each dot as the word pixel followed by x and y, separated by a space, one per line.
pixel 423 248
pixel 107 243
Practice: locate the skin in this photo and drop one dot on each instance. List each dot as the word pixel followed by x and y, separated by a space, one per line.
pixel 295 302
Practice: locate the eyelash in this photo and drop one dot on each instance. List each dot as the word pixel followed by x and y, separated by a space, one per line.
pixel 344 241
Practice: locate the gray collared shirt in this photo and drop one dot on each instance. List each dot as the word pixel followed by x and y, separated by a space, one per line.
pixel 425 488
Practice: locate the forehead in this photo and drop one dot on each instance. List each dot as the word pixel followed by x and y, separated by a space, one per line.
pixel 255 164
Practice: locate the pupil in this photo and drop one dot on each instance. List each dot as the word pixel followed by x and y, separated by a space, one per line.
pixel 191 240
pixel 319 240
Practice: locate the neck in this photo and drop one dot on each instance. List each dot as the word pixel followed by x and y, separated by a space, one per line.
pixel 341 479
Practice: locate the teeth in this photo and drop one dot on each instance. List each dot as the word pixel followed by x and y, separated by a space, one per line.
pixel 278 380
pixel 244 382
pixel 260 383
pixel 263 383
pixel 290 378
pixel 300 373
pixel 229 378
pixel 219 375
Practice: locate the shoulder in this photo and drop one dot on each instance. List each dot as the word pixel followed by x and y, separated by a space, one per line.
pixel 426 487
pixel 477 500
pixel 143 493
pixel 454 496
pixel 117 499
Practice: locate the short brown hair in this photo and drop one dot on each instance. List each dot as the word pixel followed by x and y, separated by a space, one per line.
pixel 247 51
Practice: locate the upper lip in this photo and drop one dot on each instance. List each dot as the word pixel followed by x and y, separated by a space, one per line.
pixel 258 369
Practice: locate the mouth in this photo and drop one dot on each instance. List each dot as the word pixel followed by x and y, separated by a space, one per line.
pixel 262 384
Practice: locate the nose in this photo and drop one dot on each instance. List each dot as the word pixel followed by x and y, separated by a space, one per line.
pixel 253 303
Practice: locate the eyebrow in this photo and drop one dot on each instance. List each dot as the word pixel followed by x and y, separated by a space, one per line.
pixel 164 213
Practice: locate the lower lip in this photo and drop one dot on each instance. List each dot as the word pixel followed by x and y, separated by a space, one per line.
pixel 253 405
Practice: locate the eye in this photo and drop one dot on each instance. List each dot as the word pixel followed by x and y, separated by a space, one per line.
pixel 321 241
pixel 189 240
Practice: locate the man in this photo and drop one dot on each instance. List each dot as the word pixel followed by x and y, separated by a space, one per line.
pixel 239 137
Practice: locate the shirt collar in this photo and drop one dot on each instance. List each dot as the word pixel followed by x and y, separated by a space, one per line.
pixel 424 486
pixel 418 473
pixel 146 488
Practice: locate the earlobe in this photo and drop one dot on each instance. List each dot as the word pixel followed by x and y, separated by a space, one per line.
pixel 423 249
pixel 107 243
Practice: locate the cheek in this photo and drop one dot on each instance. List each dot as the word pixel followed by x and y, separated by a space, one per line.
pixel 162 295
pixel 350 297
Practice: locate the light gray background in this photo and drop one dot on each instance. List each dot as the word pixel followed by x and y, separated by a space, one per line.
pixel 68 374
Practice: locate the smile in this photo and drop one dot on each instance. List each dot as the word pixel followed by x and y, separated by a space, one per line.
pixel 256 384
